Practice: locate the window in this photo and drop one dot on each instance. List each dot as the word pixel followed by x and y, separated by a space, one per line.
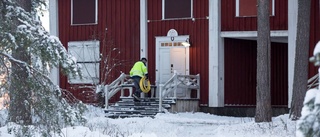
pixel 171 44
pixel 248 8
pixel 173 9
pixel 84 12
pixel 87 54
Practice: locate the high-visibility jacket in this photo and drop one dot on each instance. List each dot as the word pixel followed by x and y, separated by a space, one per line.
pixel 139 69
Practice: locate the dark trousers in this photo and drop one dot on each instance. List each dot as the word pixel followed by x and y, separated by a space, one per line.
pixel 136 81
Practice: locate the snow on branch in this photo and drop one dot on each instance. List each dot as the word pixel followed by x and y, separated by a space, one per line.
pixel 41 44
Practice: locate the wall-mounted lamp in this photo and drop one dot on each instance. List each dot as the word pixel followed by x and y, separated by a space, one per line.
pixel 186 43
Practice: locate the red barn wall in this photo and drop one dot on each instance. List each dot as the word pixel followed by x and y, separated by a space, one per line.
pixel 241 69
pixel 118 21
pixel 229 21
pixel 240 72
pixel 198 32
pixel 115 15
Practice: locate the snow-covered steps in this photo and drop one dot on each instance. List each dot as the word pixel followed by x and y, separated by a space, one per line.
pixel 126 107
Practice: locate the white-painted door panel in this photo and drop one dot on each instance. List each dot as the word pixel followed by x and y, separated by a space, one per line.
pixel 165 68
pixel 178 64
pixel 178 60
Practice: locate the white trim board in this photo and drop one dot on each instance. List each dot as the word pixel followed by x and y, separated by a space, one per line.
pixel 239 34
pixel 143 29
pixel 280 36
pixel 216 57
pixel 54 30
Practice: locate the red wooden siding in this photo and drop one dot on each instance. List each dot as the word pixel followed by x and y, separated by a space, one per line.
pixel 240 73
pixel 229 21
pixel 314 33
pixel 121 18
pixel 198 31
pixel 279 74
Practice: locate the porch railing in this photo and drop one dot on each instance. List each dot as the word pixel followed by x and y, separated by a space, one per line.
pixel 120 84
pixel 188 82
pixel 167 90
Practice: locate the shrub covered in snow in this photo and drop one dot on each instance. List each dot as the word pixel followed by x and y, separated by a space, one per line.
pixel 309 123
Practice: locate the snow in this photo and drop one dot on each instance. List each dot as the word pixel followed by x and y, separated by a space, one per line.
pixel 162 125
pixel 316 49
pixel 187 124
pixel 309 120
pixel 310 94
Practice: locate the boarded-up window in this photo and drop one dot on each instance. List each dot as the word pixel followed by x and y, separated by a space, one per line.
pixel 173 9
pixel 248 8
pixel 83 12
pixel 87 54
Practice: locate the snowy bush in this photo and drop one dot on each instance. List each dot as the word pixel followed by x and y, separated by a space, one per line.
pixel 308 124
pixel 3 117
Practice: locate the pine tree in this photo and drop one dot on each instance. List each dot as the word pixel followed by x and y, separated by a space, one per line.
pixel 26 53
pixel 263 108
pixel 300 79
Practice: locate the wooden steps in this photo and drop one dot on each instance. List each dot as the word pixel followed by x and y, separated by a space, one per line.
pixel 126 107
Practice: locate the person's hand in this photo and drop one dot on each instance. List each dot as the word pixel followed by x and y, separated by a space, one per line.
pixel 146 75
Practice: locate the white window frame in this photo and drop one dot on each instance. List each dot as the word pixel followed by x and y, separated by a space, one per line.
pixel 96 15
pixel 163 12
pixel 87 54
pixel 238 8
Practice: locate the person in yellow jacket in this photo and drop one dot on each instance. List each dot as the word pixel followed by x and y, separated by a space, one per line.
pixel 138 71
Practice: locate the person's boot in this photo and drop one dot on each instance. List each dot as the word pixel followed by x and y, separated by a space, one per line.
pixel 136 97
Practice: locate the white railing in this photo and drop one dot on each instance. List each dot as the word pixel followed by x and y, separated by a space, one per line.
pixel 187 82
pixel 168 90
pixel 120 84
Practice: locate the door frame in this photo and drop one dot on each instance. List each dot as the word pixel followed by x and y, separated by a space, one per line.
pixel 161 39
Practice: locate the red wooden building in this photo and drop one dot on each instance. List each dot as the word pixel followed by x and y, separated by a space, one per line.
pixel 222 36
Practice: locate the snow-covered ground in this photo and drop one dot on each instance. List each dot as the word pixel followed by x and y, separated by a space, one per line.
pixel 177 125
